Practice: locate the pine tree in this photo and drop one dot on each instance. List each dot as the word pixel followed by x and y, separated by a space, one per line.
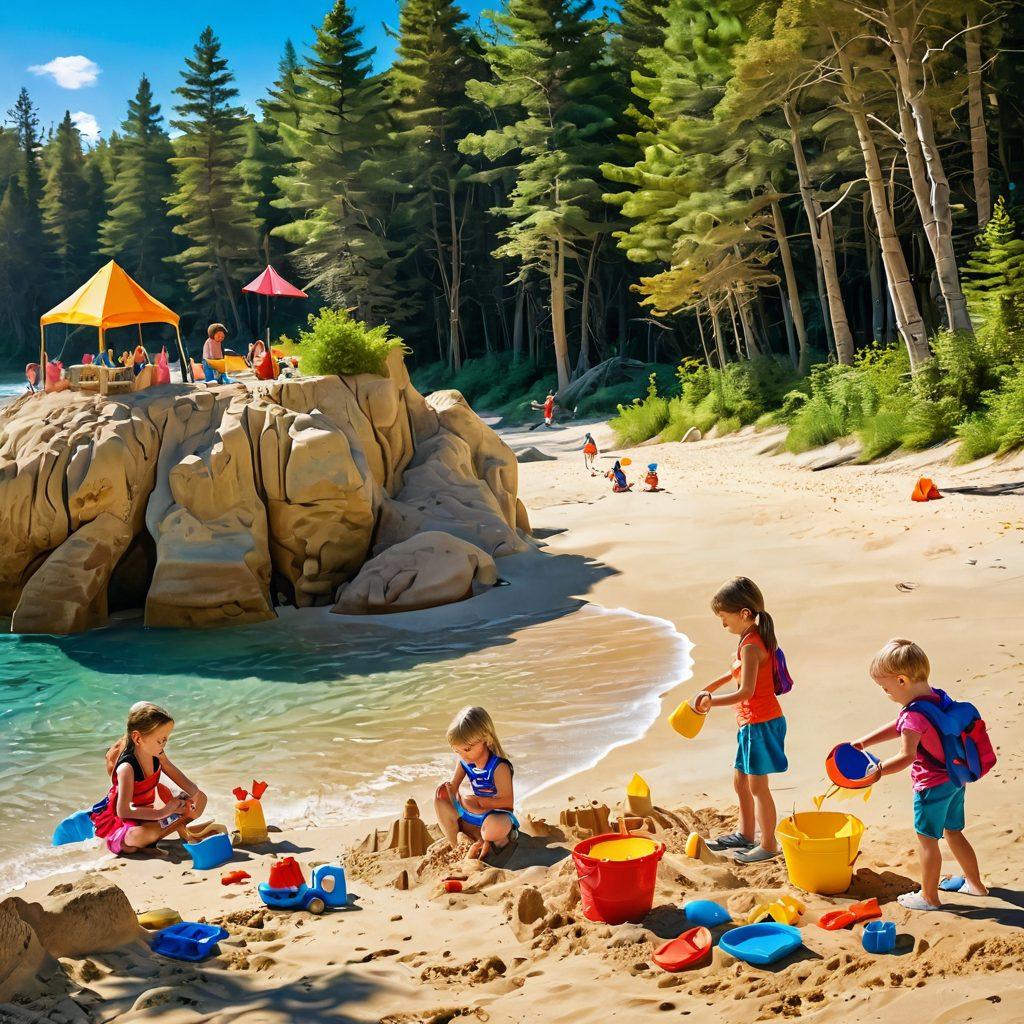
pixel 216 213
pixel 552 78
pixel 17 309
pixel 66 206
pixel 435 57
pixel 994 275
pixel 137 231
pixel 333 190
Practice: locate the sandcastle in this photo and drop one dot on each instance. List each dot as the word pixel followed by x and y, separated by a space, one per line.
pixel 409 835
pixel 250 825
pixel 586 821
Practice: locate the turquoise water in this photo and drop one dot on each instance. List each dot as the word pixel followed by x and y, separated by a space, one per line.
pixel 11 385
pixel 344 721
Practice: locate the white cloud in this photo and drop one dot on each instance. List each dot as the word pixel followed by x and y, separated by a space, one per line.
pixel 69 72
pixel 87 125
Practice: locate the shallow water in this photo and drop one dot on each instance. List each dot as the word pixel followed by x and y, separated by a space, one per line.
pixel 343 721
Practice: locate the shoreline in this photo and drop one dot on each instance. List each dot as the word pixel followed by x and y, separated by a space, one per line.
pixel 830 550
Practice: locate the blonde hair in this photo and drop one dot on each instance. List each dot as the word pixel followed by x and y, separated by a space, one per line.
pixel 740 593
pixel 472 725
pixel 143 717
pixel 902 658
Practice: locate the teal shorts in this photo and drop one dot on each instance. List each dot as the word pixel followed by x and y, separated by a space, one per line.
pixel 939 808
pixel 761 748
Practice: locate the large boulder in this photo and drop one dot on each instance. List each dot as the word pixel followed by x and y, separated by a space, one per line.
pixel 208 501
pixel 89 915
pixel 22 957
pixel 425 571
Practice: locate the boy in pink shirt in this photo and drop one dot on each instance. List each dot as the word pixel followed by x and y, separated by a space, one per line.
pixel 901 669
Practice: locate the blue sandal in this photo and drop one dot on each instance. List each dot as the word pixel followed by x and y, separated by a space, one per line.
pixel 732 841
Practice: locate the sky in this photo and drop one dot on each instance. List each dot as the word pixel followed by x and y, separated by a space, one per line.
pixel 87 58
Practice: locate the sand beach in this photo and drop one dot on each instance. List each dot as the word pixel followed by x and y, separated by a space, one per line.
pixel 845 561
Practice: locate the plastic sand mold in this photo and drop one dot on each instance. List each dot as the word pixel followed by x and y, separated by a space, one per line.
pixel 188 941
pixel 850 768
pixel 761 944
pixel 686 721
pixel 693 946
pixel 706 912
pixel 866 910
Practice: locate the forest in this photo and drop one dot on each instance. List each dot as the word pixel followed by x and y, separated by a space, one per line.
pixel 760 194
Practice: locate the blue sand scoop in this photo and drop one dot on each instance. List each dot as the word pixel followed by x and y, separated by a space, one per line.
pixel 188 941
pixel 75 828
pixel 706 912
pixel 763 943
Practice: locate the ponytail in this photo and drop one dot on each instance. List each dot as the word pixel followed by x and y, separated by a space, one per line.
pixel 766 630
pixel 741 593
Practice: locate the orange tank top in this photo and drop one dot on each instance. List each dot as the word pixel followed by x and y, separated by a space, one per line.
pixel 763 705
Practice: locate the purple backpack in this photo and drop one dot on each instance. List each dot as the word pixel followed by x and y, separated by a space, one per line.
pixel 780 673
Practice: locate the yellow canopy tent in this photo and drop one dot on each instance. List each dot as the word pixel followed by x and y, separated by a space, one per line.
pixel 110 298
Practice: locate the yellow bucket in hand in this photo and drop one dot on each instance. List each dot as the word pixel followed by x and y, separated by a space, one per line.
pixel 686 721
pixel 820 848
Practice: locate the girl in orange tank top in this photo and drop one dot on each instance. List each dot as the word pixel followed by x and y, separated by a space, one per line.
pixel 761 735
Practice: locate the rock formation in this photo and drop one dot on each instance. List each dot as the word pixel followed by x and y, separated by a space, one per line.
pixel 206 504
pixel 425 571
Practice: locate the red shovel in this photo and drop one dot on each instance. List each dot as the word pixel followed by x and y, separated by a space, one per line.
pixel 836 919
pixel 689 949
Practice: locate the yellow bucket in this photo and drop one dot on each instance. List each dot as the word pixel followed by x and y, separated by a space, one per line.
pixel 820 848
pixel 627 848
pixel 686 721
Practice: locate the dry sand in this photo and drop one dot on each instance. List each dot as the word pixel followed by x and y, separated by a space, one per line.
pixel 846 561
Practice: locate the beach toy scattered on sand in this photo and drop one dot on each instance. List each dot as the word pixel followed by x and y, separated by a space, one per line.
pixel 784 910
pixel 879 936
pixel 820 848
pixel 833 920
pixel 638 797
pixel 75 828
pixel 409 834
pixel 452 885
pixel 204 829
pixel 697 848
pixel 250 825
pixel 693 946
pixel 686 721
pixel 850 768
pixel 617 875
pixel 706 912
pixel 157 919
pixel 761 944
pixel 234 877
pixel 925 490
pixel 287 889
pixel 189 941
pixel 210 852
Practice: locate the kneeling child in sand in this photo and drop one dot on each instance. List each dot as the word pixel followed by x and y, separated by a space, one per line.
pixel 901 669
pixel 485 815
pixel 138 810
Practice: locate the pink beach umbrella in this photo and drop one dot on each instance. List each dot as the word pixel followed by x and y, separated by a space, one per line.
pixel 271 284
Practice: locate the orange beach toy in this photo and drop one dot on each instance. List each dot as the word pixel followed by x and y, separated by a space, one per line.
pixel 925 490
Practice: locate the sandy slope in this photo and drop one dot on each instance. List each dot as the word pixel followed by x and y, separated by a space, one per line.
pixel 846 561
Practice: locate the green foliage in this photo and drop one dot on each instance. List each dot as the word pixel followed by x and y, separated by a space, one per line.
pixel 1000 426
pixel 645 418
pixel 65 205
pixel 994 275
pixel 336 343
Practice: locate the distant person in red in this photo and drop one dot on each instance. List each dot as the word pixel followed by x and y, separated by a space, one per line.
pixel 651 479
pixel 214 349
pixel 549 410
pixel 589 453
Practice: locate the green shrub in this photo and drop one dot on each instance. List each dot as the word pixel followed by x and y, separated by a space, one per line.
pixel 642 420
pixel 817 423
pixel 681 416
pixel 606 401
pixel 929 422
pixel 728 424
pixel 978 436
pixel 882 432
pixel 336 343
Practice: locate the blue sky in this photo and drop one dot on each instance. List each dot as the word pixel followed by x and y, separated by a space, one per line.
pixel 125 40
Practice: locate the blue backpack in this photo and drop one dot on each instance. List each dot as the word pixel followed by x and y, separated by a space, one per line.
pixel 780 674
pixel 965 741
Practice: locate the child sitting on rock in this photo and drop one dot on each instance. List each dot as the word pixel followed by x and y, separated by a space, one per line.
pixel 485 815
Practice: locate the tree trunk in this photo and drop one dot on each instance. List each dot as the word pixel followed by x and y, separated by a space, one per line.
pixel 976 109
pixel 517 324
pixel 455 287
pixel 877 296
pixel 936 213
pixel 703 342
pixel 229 291
pixel 583 362
pixel 908 314
pixel 787 319
pixel 791 309
pixel 717 329
pixel 557 277
pixel 735 327
pixel 824 247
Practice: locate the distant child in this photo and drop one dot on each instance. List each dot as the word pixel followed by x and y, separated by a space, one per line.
pixel 133 815
pixel 549 410
pixel 485 815
pixel 618 479
pixel 589 453
pixel 651 479
pixel 761 739
pixel 901 669
pixel 213 348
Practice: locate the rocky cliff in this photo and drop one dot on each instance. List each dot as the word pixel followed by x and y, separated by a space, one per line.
pixel 209 506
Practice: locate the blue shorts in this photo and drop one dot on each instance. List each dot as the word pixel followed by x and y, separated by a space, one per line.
pixel 472 818
pixel 761 748
pixel 938 808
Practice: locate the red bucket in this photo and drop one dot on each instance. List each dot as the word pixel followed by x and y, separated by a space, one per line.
pixel 615 891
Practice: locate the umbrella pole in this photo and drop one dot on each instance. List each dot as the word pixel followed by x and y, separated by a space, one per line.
pixel 42 357
pixel 186 367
